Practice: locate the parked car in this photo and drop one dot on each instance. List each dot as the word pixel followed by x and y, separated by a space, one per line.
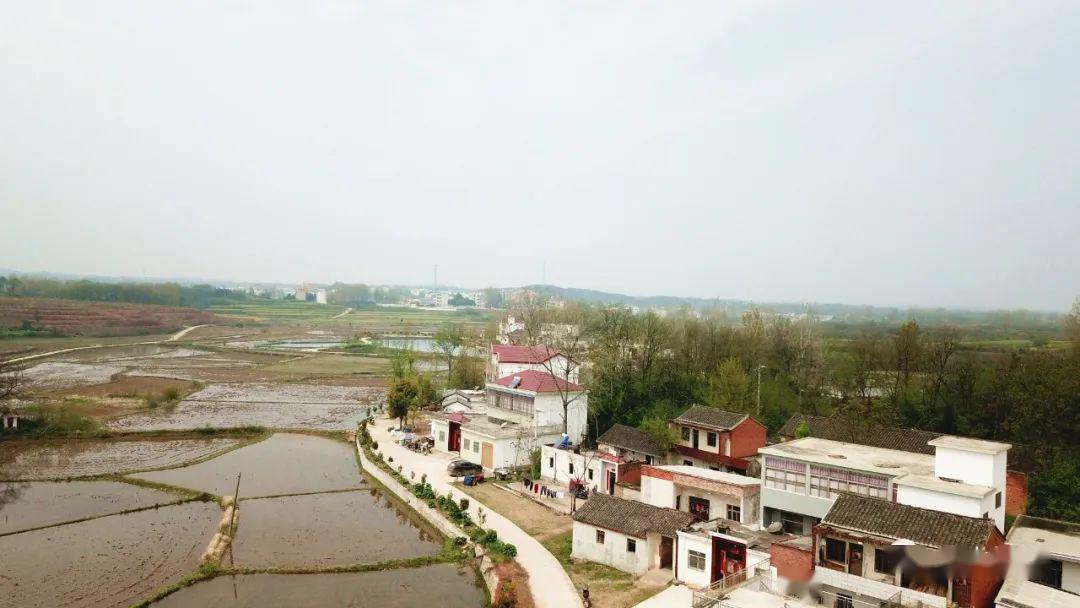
pixel 460 468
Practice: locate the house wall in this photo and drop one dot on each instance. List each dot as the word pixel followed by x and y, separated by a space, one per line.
pixel 865 586
pixel 505 452
pixel 1070 577
pixel 501 369
pixel 683 571
pixel 747 438
pixel 548 411
pixel 440 431
pixel 657 492
pixel 813 506
pixel 1016 492
pixel 792 563
pixel 612 551
pixel 555 465
pixel 940 501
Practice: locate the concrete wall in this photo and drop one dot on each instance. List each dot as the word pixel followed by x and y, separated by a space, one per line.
pixel 1070 577
pixel 814 506
pixel 657 492
pixel 940 501
pixel 612 551
pixel 865 586
pixel 692 542
pixel 547 410
pixel 555 465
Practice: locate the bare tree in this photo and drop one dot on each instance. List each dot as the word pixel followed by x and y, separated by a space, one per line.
pixel 554 332
pixel 448 340
pixel 11 384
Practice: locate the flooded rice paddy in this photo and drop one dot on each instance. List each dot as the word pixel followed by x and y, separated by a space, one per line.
pixel 307 406
pixel 443 585
pixel 59 459
pixel 332 529
pixel 60 374
pixel 285 463
pixel 26 505
pixel 108 562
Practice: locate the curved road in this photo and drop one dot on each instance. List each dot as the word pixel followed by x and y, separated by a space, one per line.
pixel 172 338
pixel 551 587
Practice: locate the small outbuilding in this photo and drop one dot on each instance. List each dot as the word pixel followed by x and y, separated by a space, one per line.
pixel 626 534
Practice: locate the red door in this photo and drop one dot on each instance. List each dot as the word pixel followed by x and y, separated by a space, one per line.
pixel 453 443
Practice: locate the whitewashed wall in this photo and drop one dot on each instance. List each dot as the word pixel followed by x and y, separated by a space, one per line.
pixel 692 542
pixel 612 551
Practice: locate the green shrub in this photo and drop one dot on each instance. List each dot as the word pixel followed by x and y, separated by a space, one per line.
pixel 172 393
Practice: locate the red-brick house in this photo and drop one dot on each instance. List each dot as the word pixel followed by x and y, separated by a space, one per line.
pixel 716 439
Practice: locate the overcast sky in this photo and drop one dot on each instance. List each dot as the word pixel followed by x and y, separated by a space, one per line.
pixel 894 153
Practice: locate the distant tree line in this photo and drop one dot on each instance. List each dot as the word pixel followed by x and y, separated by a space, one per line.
pixel 167 294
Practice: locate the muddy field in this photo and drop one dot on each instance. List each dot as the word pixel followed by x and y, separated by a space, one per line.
pixel 26 505
pixel 409 588
pixel 283 464
pixel 332 529
pixel 108 562
pixel 62 374
pixel 61 459
pixel 286 406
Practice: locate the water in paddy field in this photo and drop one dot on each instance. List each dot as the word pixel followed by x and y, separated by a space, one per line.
pixel 443 585
pixel 299 344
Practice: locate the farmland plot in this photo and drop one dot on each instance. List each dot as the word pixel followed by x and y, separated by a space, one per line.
pixel 25 505
pixel 59 459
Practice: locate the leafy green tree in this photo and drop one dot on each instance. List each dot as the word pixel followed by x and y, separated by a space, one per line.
pixel 1055 489
pixel 802 431
pixel 660 431
pixel 730 386
pixel 400 397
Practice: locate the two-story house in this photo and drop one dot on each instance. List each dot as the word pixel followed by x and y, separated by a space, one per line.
pixel 1044 568
pixel 872 551
pixel 506 360
pixel 523 412
pixel 716 439
pixel 801 479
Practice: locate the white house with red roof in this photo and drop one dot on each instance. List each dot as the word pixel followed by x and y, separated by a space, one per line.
pixel 523 412
pixel 508 359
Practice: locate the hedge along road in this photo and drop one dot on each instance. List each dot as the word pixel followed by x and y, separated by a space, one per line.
pixel 551 587
pixel 172 338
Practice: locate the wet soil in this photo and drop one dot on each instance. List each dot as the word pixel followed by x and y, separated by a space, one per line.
pixel 60 374
pixel 278 406
pixel 58 459
pixel 443 585
pixel 109 562
pixel 25 505
pixel 327 530
pixel 283 464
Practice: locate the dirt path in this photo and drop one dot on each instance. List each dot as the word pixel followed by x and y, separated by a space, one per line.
pixel 172 338
pixel 347 311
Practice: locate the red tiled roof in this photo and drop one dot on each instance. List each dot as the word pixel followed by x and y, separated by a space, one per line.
pixel 537 382
pixel 509 353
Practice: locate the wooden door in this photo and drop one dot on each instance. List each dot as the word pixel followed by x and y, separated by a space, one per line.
pixel 487 455
pixel 855 558
pixel 611 482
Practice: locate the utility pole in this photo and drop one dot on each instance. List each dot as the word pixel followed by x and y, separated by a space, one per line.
pixel 436 277
pixel 760 367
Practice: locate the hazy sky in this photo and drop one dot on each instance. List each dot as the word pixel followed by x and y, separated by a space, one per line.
pixel 900 153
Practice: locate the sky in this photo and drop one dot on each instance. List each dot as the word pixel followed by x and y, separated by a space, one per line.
pixel 888 153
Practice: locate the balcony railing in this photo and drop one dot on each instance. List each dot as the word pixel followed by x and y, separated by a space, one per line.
pixel 711 597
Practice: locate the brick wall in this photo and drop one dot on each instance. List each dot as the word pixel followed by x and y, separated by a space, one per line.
pixel 792 563
pixel 1016 493
pixel 747 438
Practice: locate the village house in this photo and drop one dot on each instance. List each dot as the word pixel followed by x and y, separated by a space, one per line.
pixel 522 412
pixel 704 493
pixel 871 551
pixel 463 401
pixel 905 440
pixel 1044 569
pixel 720 548
pixel 630 444
pixel 506 360
pixel 618 452
pixel 627 535
pixel 717 439
pixel 802 478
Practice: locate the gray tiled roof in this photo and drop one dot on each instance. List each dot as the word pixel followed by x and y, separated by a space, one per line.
pixel 711 416
pixel 630 516
pixel 894 520
pixel 906 440
pixel 629 438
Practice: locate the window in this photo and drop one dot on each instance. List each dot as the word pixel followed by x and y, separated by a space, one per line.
pixel 631 545
pixel 699 507
pixel 734 512
pixel 986 515
pixel 784 474
pixel 551 463
pixel 844 601
pixel 599 537
pixel 885 561
pixel 465 442
pixel 695 560
pixel 727 447
pixel 688 463
pixel 828 482
pixel 1048 572
pixel 678 503
pixel 710 439
pixel 570 469
pixel 685 433
pixel 648 459
pixel 792 522
pixel 442 436
pixel 590 474
pixel 835 550
pixel 997 501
